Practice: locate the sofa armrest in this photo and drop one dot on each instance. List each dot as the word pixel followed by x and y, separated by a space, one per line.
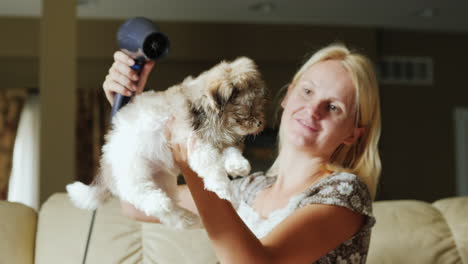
pixel 17 233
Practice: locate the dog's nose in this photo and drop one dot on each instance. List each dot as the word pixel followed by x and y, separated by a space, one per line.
pixel 259 123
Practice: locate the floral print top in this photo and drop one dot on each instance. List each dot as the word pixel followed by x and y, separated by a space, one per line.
pixel 341 189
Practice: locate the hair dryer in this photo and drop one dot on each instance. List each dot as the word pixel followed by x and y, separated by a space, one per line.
pixel 140 39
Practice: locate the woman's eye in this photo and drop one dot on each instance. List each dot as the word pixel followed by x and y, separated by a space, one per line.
pixel 332 107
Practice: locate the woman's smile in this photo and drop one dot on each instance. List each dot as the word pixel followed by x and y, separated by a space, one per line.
pixel 308 125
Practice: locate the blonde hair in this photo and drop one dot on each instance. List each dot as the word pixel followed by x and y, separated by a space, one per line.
pixel 361 158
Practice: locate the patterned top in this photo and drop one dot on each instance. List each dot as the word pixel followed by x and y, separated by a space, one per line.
pixel 341 189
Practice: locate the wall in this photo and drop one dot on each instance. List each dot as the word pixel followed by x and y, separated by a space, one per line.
pixel 417 121
pixel 417 143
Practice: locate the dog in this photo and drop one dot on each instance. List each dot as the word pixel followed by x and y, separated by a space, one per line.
pixel 219 108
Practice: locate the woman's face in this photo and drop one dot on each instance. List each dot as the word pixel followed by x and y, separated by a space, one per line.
pixel 319 111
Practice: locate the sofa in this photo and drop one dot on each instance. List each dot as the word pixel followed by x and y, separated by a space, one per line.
pixel 407 231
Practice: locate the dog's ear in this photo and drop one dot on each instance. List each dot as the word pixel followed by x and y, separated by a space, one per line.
pixel 243 68
pixel 188 79
pixel 219 94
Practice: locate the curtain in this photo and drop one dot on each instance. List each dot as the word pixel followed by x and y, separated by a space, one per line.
pixel 11 103
pixel 92 123
pixel 24 179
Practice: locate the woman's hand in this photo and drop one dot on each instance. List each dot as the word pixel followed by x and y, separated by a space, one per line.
pixel 124 80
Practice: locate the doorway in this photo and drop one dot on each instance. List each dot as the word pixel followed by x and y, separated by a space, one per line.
pixel 461 150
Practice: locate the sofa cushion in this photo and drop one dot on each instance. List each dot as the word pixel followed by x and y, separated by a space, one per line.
pixel 18 230
pixel 409 231
pixel 63 231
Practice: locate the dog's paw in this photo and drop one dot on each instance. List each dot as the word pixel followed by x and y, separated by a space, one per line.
pixel 239 166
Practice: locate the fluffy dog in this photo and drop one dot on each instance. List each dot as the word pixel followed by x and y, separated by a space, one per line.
pixel 219 108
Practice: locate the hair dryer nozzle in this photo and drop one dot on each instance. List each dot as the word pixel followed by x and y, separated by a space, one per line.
pixel 140 38
pixel 156 46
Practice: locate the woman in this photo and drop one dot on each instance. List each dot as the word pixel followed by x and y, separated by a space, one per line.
pixel 315 203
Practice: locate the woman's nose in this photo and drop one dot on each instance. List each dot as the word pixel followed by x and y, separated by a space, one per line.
pixel 314 110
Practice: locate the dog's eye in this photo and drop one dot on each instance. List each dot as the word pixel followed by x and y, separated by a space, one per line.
pixel 234 93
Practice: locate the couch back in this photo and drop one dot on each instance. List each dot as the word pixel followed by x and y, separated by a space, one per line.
pixel 406 232
pixel 409 231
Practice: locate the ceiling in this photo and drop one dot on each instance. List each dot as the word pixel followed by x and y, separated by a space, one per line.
pixel 441 15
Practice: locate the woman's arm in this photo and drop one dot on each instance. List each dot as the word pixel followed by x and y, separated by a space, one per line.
pixel 184 200
pixel 303 237
pixel 130 211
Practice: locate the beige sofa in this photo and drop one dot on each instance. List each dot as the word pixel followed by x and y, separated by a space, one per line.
pixel 406 232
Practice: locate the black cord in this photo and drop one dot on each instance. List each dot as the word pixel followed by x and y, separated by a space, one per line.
pixel 89 236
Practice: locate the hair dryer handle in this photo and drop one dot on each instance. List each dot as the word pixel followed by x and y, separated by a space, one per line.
pixel 121 100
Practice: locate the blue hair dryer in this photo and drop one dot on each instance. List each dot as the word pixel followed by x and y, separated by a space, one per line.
pixel 140 39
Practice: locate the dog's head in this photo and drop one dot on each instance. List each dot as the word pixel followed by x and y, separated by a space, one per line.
pixel 233 98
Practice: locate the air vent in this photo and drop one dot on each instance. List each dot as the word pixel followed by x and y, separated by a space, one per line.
pixel 406 70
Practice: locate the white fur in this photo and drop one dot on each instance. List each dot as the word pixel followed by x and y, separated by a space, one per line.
pixel 85 196
pixel 139 162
